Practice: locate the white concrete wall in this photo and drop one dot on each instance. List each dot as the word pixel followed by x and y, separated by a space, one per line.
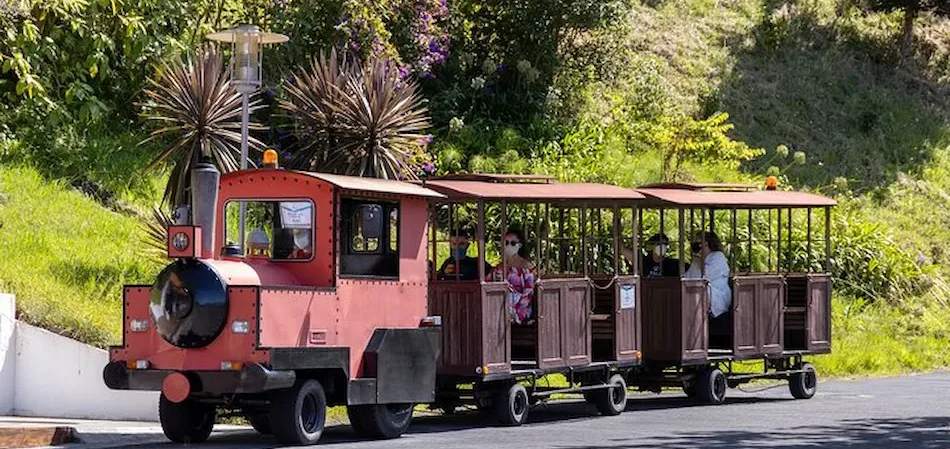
pixel 7 353
pixel 60 377
pixel 48 375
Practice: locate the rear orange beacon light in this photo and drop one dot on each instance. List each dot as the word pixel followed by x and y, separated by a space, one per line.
pixel 270 158
pixel 771 183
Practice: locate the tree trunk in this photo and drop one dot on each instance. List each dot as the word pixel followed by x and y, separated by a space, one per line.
pixel 907 33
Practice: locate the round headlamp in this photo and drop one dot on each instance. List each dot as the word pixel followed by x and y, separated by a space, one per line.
pixel 180 241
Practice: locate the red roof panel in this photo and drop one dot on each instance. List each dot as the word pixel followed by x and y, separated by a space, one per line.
pixel 754 199
pixel 531 191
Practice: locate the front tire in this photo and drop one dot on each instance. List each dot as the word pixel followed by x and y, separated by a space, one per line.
pixel 712 386
pixel 804 385
pixel 380 421
pixel 612 401
pixel 185 422
pixel 298 414
pixel 512 405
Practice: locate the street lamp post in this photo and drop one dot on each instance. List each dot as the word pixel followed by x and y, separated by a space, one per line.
pixel 246 61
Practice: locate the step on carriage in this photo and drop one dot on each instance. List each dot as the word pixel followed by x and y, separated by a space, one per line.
pixel 586 326
pixel 780 290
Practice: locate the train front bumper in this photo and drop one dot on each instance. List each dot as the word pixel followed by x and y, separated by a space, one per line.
pixel 252 378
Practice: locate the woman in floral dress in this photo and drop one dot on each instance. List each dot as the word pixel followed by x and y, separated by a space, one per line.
pixel 519 276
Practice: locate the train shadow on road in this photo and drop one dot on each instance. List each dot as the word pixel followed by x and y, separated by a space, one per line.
pixel 892 433
pixel 562 411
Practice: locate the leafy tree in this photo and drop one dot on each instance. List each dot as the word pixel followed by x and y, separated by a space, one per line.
pixel 197 112
pixel 684 139
pixel 911 8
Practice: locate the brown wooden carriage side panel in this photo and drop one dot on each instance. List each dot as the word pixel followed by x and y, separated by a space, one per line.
pixel 661 319
pixel 769 316
pixel 627 321
pixel 695 322
pixel 550 302
pixel 459 305
pixel 575 322
pixel 743 317
pixel 818 325
pixel 496 327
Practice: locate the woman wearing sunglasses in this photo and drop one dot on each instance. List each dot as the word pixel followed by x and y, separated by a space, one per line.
pixel 707 248
pixel 519 276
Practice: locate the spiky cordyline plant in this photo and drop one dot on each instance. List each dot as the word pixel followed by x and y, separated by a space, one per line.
pixel 362 121
pixel 198 111
pixel 156 232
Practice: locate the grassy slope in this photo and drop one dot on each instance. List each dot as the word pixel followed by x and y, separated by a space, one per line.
pixel 66 257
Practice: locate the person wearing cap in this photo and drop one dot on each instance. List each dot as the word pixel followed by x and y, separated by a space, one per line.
pixel 655 263
pixel 460 266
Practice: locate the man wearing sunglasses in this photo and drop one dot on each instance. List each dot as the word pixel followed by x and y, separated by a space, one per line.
pixel 460 266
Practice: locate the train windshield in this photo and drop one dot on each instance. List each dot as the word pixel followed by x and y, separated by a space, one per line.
pixel 278 230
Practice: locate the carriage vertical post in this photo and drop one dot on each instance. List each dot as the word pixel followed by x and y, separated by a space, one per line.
pixel 808 243
pixel 481 241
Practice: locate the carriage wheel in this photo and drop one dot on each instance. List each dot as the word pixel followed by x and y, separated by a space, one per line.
pixel 712 386
pixel 803 385
pixel 298 414
pixel 512 405
pixel 613 400
pixel 187 421
pixel 380 421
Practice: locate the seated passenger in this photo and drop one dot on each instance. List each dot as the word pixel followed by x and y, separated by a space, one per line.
pixel 655 263
pixel 519 276
pixel 460 266
pixel 707 253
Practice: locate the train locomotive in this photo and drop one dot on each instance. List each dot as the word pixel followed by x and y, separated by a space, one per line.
pixel 332 313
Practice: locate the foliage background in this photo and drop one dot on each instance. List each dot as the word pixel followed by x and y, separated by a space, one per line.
pixel 618 91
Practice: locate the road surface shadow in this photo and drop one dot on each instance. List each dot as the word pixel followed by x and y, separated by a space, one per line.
pixel 892 433
pixel 562 411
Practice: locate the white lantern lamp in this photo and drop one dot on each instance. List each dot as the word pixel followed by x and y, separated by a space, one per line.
pixel 247 58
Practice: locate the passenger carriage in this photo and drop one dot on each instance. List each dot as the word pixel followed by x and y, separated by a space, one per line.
pixel 780 290
pixel 587 325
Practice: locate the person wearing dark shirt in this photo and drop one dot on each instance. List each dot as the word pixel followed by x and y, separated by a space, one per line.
pixel 460 266
pixel 654 263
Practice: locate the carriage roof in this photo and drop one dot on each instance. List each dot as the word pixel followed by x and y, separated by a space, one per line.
pixel 525 188
pixel 728 196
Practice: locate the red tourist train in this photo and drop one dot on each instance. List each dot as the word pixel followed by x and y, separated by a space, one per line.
pixel 334 298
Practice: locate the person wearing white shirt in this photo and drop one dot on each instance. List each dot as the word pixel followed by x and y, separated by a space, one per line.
pixel 707 247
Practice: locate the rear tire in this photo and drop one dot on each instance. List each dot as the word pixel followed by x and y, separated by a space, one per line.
pixel 185 422
pixel 612 401
pixel 712 386
pixel 512 405
pixel 804 385
pixel 298 414
pixel 380 421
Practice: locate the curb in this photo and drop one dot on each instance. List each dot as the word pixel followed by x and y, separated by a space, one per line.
pixel 22 437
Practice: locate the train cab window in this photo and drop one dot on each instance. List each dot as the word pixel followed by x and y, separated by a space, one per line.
pixel 371 235
pixel 275 230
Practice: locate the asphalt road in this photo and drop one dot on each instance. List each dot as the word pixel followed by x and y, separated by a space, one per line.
pixel 902 412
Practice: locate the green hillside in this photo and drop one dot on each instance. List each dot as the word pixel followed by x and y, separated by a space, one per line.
pixel 619 92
